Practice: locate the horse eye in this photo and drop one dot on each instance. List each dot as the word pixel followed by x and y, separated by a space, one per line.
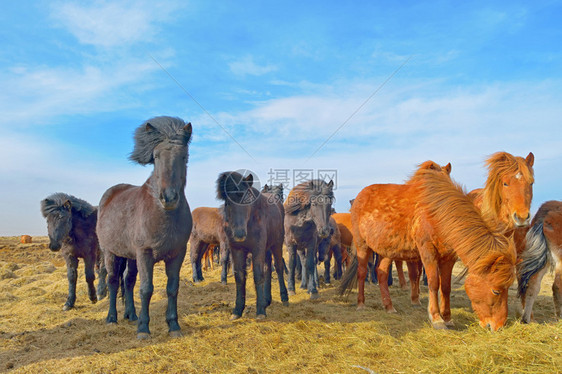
pixel 496 292
pixel 505 184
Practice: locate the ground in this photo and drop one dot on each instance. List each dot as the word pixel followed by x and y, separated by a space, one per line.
pixel 327 335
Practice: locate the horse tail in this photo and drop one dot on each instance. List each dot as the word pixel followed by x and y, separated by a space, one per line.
pixel 349 278
pixel 534 258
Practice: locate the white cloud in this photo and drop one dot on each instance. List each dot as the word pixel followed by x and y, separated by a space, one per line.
pixel 247 66
pixel 112 24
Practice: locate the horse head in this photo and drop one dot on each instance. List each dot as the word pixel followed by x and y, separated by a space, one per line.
pixel 59 223
pixel 509 189
pixel 487 290
pixel 238 195
pixel 321 200
pixel 163 141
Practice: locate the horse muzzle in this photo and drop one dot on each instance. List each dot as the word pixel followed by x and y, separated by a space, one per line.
pixel 169 199
pixel 323 233
pixel 55 247
pixel 239 235
pixel 520 222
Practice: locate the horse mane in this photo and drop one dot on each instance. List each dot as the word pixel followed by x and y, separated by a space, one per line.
pixel 276 191
pixel 429 165
pixel 56 201
pixel 301 195
pixel 484 251
pixel 501 164
pixel 234 186
pixel 155 131
pixel 537 253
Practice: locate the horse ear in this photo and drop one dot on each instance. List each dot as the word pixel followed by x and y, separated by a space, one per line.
pixel 530 159
pixel 148 127
pixel 188 130
pixel 448 168
pixel 331 183
pixel 67 205
pixel 249 179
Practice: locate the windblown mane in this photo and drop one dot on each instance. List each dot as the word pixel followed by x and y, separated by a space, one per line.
pixel 57 200
pixel 460 226
pixel 302 194
pixel 153 132
pixel 537 253
pixel 501 164
pixel 233 186
pixel 429 165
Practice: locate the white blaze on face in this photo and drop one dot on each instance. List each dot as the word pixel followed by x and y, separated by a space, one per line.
pixel 518 175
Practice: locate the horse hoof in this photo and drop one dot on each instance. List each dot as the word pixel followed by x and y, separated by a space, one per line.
pixel 449 323
pixel 100 297
pixel 143 336
pixel 440 325
pixel 66 307
pixel 260 317
pixel 361 306
pixel 314 296
pixel 391 310
pixel 175 334
pixel 285 303
pixel 94 301
pixel 416 305
pixel 111 323
pixel 234 317
pixel 223 283
pixel 291 293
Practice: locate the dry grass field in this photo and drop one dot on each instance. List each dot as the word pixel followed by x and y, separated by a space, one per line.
pixel 324 336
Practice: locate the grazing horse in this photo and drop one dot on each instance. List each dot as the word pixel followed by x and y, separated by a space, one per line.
pixel 208 232
pixel 543 250
pixel 384 221
pixel 71 224
pixel 149 223
pixel 307 219
pixel 253 225
pixel 506 198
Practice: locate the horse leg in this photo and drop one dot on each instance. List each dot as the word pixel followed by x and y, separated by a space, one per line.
pixel 363 253
pixel 298 268
pixel 129 278
pixel 400 272
pixel 304 268
pixel 259 268
pixel 382 274
pixel 292 265
pixel 113 265
pixel 327 267
pixel 338 271
pixel 102 275
pixel 557 289
pixel 311 275
pixel 533 289
pixel 72 275
pixel 414 275
pixel 432 271
pixel 173 268
pixel 373 263
pixel 267 286
pixel 224 259
pixel 89 263
pixel 196 252
pixel 239 264
pixel 445 273
pixel 279 269
pixel 145 265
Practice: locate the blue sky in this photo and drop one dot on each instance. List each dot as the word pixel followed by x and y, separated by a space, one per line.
pixel 280 77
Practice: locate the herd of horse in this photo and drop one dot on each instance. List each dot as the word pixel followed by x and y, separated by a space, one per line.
pixel 429 222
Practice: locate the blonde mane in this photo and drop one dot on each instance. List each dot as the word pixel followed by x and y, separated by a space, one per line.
pixel 460 226
pixel 500 165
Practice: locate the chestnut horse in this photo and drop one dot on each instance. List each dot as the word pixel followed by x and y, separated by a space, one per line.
pixel 208 232
pixel 543 250
pixel 253 225
pixel 307 219
pixel 331 246
pixel 506 198
pixel 150 223
pixel 384 221
pixel 25 239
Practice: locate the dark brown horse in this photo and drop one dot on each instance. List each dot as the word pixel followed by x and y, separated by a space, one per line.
pixel 542 251
pixel 149 223
pixel 208 232
pixel 307 219
pixel 71 224
pixel 253 225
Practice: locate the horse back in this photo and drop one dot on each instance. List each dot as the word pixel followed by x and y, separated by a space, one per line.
pixel 84 240
pixel 343 220
pixel 208 225
pixel 383 215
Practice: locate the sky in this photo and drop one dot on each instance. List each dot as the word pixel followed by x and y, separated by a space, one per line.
pixel 363 91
